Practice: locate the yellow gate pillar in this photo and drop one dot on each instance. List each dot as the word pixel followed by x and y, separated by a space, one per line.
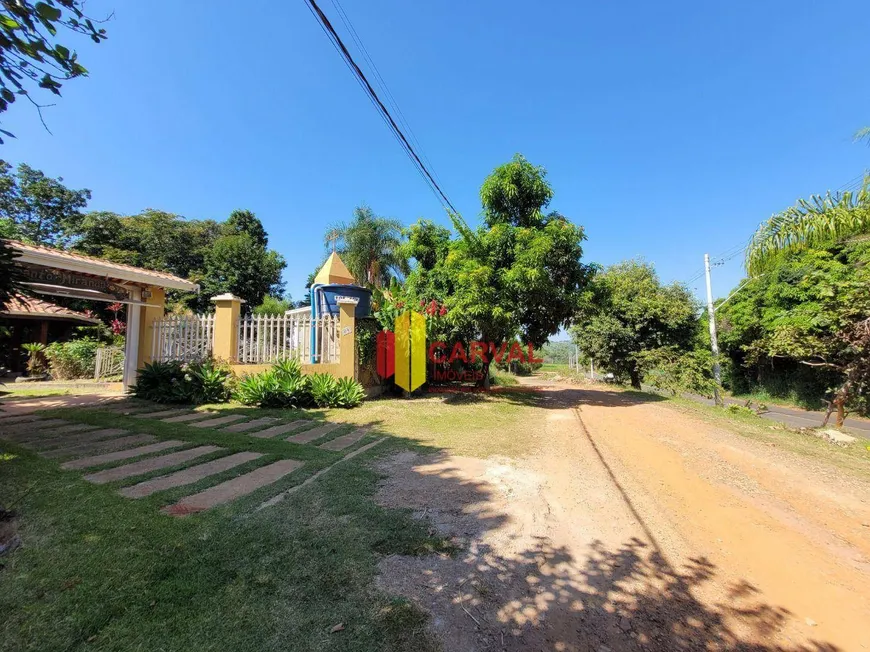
pixel 347 337
pixel 155 298
pixel 225 345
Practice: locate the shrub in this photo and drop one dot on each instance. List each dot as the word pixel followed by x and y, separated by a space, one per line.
pixel 324 390
pixel 194 382
pixel 283 386
pixel 273 389
pixel 350 393
pixel 73 359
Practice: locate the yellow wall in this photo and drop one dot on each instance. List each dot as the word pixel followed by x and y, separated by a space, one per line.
pixel 307 369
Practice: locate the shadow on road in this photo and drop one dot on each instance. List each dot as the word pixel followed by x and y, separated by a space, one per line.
pixel 507 590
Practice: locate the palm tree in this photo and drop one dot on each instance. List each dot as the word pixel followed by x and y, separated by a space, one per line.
pixel 816 222
pixel 370 246
pixel 863 134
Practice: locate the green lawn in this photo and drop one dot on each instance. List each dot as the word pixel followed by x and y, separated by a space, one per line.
pixel 100 572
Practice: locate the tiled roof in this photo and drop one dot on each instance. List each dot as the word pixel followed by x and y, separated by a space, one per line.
pixel 39 255
pixel 21 306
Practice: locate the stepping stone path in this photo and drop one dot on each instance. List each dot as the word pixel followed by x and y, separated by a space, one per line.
pixel 284 428
pixel 126 455
pixel 340 443
pixel 105 446
pixel 188 417
pixel 82 438
pixel 20 418
pixel 212 423
pixel 163 413
pixel 150 464
pixel 117 456
pixel 188 476
pixel 232 489
pixel 251 425
pixel 315 433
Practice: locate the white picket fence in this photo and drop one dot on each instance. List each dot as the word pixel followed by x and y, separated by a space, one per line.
pixel 265 339
pixel 182 337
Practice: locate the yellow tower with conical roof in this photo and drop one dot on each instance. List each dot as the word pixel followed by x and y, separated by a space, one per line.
pixel 334 271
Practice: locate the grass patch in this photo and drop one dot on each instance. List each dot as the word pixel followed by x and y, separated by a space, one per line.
pixel 100 572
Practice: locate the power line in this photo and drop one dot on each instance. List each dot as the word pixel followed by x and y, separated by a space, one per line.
pixel 379 105
pixel 382 83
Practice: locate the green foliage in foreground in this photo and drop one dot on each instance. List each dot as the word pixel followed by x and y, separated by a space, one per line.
pixel 284 386
pixel 626 312
pixel 672 370
pixel 190 383
pixel 100 572
pixel 72 359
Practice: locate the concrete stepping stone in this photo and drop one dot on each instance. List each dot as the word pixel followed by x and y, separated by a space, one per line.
pixel 213 423
pixel 82 438
pixel 150 464
pixel 174 412
pixel 233 489
pixel 340 443
pixel 38 435
pixel 27 428
pixel 251 425
pixel 117 456
pixel 18 418
pixel 73 427
pixel 314 433
pixel 106 446
pixel 188 476
pixel 282 429
pixel 128 409
pixel 189 417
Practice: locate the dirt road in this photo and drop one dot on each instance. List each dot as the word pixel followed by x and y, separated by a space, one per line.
pixel 637 527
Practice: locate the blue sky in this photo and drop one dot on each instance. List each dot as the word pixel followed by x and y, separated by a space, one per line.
pixel 668 129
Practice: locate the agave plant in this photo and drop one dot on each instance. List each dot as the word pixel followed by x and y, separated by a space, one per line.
pixel 816 222
pixel 350 393
pixel 324 390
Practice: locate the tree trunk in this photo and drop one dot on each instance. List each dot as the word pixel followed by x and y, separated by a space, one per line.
pixel 486 379
pixel 634 374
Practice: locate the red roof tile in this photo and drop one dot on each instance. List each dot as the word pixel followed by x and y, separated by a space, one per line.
pixel 22 306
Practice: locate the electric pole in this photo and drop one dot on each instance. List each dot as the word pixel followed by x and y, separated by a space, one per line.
pixel 714 344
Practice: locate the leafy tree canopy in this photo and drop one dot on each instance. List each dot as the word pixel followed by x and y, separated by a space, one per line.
pixel 800 312
pixel 517 275
pixel 626 311
pixel 273 305
pixel 37 208
pixel 31 54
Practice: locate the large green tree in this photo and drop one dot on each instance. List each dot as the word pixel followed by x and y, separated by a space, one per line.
pixel 370 246
pixel 31 55
pixel 239 262
pixel 792 330
pixel 37 208
pixel 626 311
pixel 222 257
pixel 518 275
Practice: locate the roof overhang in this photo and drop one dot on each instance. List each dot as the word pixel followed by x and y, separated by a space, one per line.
pixel 105 269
